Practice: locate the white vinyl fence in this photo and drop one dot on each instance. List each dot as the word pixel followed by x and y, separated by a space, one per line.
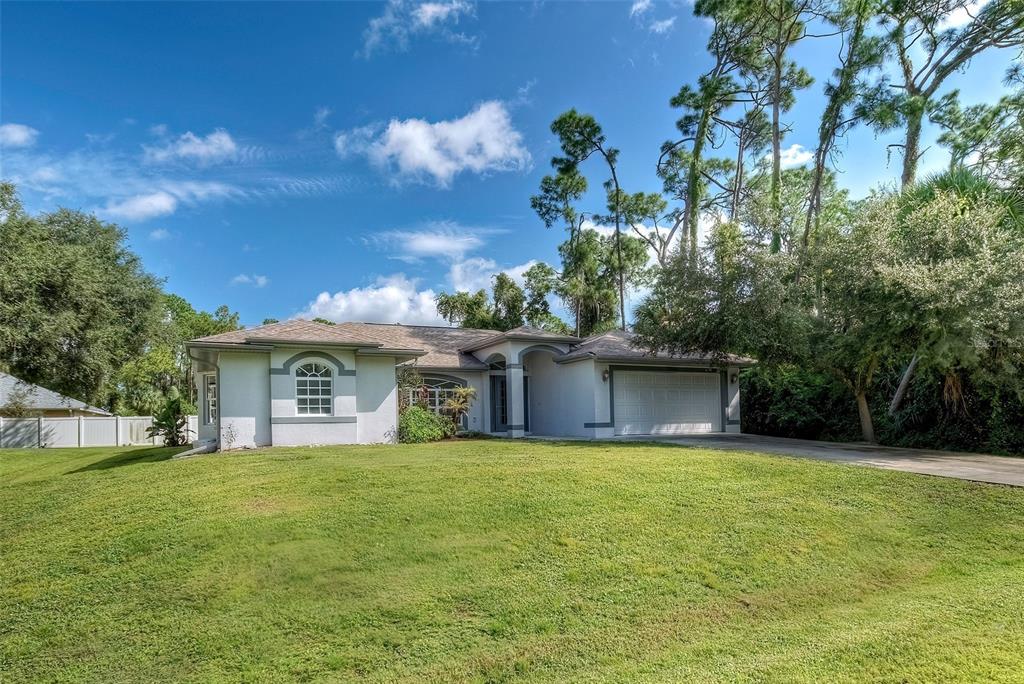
pixel 81 432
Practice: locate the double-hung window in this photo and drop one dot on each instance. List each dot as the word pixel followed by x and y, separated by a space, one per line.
pixel 434 394
pixel 313 390
pixel 210 393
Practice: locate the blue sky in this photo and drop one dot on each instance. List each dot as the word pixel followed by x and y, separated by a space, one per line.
pixel 350 160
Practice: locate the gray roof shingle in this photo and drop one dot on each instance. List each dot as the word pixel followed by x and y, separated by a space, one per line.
pixel 41 399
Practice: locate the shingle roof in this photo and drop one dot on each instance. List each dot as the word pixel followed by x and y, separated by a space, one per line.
pixel 621 345
pixel 40 399
pixel 441 344
pixel 297 330
pixel 448 347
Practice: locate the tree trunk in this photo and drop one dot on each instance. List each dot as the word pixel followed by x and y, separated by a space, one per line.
pixel 911 149
pixel 737 186
pixel 776 187
pixel 693 183
pixel 901 391
pixel 867 428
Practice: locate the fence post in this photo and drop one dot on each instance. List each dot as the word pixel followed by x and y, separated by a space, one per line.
pixel 1 432
pixel 117 430
pixel 81 431
pixel 39 431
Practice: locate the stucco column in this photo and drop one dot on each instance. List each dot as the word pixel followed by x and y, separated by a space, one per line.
pixel 514 396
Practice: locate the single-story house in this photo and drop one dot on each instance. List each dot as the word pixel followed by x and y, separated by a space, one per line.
pixel 301 382
pixel 40 401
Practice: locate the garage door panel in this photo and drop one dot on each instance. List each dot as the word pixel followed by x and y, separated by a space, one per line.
pixel 666 402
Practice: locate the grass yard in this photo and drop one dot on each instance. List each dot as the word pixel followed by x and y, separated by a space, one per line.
pixel 499 560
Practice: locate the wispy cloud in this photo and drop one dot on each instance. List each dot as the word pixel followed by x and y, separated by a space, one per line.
pixel 639 7
pixel 159 234
pixel 484 140
pixel 213 148
pixel 477 273
pixel 663 26
pixel 444 240
pixel 142 207
pixel 402 20
pixel 17 135
pixel 253 280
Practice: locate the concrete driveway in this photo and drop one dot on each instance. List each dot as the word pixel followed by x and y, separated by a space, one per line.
pixel 1005 470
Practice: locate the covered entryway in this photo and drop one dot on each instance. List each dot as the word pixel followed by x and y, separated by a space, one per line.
pixel 666 402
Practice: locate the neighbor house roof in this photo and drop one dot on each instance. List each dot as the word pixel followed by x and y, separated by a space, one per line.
pixel 619 345
pixel 41 399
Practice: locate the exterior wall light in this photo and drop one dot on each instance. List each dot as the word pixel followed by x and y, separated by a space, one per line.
pixel 604 375
pixel 733 378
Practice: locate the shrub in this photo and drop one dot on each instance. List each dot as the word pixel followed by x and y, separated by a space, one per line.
pixel 171 423
pixel 416 424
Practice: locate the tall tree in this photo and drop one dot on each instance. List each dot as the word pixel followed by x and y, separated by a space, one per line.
pixel 684 166
pixel 988 138
pixel 509 306
pixel 581 137
pixel 75 302
pixel 860 53
pixel 927 54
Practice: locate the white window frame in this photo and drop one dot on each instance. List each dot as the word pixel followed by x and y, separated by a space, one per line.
pixel 433 394
pixel 314 389
pixel 210 402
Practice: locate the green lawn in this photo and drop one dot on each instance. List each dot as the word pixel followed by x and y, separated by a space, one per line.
pixel 496 560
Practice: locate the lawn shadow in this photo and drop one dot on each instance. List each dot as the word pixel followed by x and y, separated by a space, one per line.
pixel 131 456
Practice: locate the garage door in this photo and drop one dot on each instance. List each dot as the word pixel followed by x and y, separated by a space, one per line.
pixel 666 403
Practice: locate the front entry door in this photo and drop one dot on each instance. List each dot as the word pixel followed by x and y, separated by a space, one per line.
pixel 499 404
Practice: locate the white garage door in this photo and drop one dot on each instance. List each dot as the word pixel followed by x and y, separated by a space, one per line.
pixel 666 403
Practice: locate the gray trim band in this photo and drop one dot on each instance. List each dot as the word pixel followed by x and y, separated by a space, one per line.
pixel 599 425
pixel 733 421
pixel 286 368
pixel 299 420
pixel 513 366
pixel 515 427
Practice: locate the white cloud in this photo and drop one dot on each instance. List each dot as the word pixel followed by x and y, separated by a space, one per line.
pixel 431 13
pixel 440 243
pixel 46 174
pixel 663 26
pixel 142 207
pixel 963 15
pixel 159 234
pixel 320 116
pixel 17 135
pixel 793 156
pixel 477 273
pixel 165 200
pixel 483 140
pixel 403 19
pixel 390 299
pixel 639 7
pixel 254 280
pixel 215 147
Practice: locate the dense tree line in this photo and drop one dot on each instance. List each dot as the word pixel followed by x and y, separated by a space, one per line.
pixel 906 306
pixel 79 314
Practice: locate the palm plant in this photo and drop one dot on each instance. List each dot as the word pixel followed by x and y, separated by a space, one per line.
pixel 457 405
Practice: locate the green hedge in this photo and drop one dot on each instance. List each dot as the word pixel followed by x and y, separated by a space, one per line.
pixel 417 424
pixel 788 401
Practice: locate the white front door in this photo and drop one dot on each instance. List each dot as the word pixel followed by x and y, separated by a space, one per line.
pixel 666 402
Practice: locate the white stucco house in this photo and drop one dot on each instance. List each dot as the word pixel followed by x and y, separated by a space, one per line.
pixel 300 382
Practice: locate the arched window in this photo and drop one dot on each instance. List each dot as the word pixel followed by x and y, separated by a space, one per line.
pixel 313 390
pixel 433 394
